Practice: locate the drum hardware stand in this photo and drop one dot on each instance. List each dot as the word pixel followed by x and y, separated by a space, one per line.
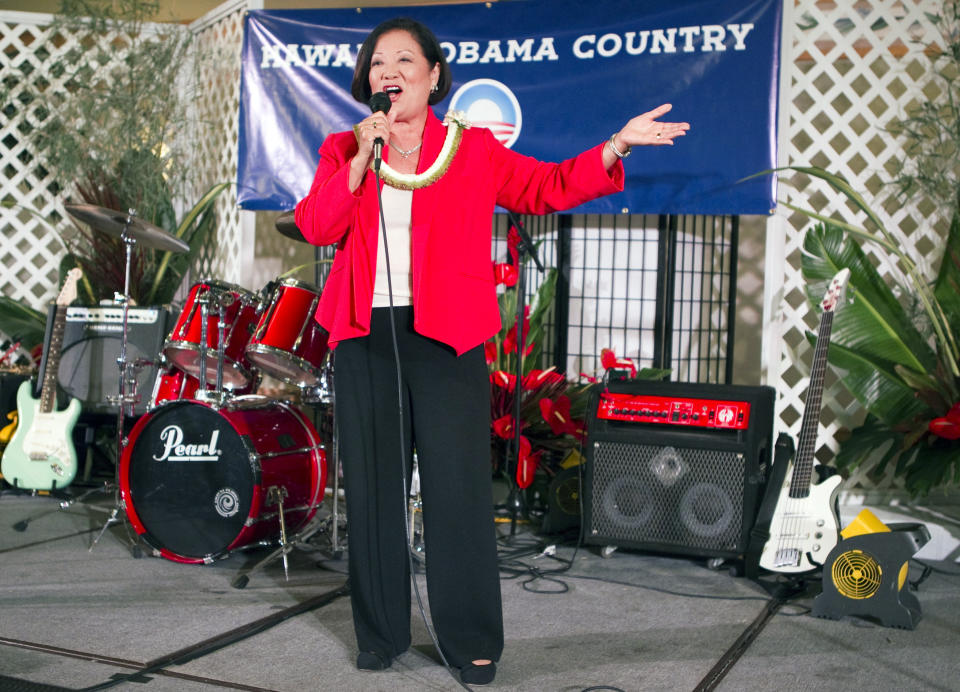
pixel 276 495
pixel 286 545
pixel 216 396
pixel 127 369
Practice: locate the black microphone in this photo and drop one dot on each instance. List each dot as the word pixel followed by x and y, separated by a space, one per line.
pixel 378 102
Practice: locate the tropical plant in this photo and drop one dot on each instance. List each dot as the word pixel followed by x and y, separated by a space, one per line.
pixel 552 405
pixel 896 349
pixel 113 136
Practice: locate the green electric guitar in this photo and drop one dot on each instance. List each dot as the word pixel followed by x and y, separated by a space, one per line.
pixel 40 455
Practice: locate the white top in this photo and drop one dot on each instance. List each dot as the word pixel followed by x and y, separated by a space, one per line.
pixel 396 208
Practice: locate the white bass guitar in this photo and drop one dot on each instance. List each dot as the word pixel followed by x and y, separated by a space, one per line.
pixel 805 527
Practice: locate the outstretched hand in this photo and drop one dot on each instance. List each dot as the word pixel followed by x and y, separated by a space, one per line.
pixel 646 129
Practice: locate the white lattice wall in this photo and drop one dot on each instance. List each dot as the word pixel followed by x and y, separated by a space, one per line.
pixel 850 70
pixel 220 37
pixel 32 250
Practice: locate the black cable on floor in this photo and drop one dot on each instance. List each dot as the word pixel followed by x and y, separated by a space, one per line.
pixel 208 646
pixel 733 654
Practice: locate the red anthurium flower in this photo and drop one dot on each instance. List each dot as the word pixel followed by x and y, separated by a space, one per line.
pixel 504 379
pixel 580 431
pixel 557 414
pixel 505 274
pixel 526 463
pixel 490 351
pixel 538 378
pixel 589 378
pixel 948 426
pixel 513 240
pixel 510 339
pixel 609 360
pixel 954 413
pixel 503 427
pixel 945 428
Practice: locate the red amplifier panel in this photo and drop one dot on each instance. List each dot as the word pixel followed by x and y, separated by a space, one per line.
pixel 703 413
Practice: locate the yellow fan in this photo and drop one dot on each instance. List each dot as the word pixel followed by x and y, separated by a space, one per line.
pixel 856 574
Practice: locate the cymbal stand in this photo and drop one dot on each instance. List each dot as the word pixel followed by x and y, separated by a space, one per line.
pixel 123 399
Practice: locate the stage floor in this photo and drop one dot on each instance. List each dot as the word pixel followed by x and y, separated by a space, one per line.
pixel 74 615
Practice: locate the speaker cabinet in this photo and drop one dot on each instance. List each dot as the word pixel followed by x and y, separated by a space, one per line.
pixel 92 339
pixel 676 467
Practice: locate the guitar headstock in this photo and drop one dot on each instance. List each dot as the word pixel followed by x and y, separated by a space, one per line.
pixel 838 286
pixel 69 291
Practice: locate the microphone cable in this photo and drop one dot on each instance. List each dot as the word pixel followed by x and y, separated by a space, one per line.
pixel 403 446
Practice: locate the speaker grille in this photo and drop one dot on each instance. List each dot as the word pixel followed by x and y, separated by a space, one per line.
pixel 669 496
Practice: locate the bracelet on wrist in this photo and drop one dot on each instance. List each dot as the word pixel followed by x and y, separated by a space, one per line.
pixel 613 147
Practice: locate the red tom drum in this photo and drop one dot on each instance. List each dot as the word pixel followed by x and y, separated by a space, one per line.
pixel 199 481
pixel 182 347
pixel 288 343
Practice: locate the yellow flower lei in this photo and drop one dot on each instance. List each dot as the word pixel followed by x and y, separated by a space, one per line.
pixel 456 122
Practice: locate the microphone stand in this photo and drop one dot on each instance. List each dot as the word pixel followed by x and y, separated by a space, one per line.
pixel 524 247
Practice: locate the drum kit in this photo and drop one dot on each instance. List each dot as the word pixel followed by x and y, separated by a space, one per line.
pixel 212 466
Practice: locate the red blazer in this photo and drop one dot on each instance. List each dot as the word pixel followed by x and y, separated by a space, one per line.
pixel 454 293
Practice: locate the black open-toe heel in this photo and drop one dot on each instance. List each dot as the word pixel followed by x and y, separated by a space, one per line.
pixel 473 674
pixel 367 660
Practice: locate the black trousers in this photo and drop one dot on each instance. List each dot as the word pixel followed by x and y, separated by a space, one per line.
pixel 446 418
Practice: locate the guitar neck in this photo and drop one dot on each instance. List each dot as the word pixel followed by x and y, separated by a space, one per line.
pixel 807 441
pixel 48 394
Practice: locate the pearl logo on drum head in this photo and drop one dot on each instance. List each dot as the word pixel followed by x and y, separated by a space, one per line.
pixel 174 449
pixel 226 502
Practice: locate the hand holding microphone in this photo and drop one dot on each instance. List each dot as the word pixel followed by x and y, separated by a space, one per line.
pixel 379 102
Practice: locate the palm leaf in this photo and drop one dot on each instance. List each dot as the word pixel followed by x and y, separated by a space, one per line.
pixel 22 323
pixel 947 286
pixel 932 467
pixel 194 229
pixel 874 323
pixel 542 302
pixel 874 444
pixel 877 386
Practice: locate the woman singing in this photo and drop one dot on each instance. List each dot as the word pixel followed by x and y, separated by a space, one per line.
pixel 443 180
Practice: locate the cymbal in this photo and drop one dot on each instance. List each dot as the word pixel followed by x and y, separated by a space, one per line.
pixel 112 222
pixel 288 227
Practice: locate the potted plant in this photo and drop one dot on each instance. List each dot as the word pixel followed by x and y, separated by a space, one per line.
pixel 112 137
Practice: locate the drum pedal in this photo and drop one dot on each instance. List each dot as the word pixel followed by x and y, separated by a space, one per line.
pixel 276 494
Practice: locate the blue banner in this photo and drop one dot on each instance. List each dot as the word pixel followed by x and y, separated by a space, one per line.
pixel 551 78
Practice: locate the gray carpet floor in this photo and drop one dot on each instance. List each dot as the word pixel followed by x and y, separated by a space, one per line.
pixel 75 614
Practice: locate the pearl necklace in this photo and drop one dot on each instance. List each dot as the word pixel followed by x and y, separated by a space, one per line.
pixel 405 154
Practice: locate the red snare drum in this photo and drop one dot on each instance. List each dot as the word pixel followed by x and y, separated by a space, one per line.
pixel 196 480
pixel 182 347
pixel 288 343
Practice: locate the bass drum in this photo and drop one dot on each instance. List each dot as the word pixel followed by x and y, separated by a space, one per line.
pixel 198 481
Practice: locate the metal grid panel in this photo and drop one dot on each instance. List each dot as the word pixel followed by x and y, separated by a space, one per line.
pixel 654 289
